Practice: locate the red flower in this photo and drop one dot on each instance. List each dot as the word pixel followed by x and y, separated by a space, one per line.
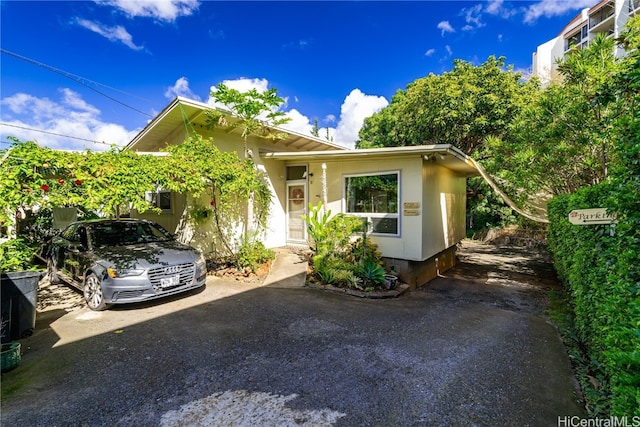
pixel 44 187
pixel 77 182
pixel 61 181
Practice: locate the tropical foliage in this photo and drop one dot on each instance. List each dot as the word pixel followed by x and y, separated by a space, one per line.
pixel 577 139
pixel 16 255
pixel 563 129
pixel 254 112
pixel 35 179
pixel 464 107
pixel 337 259
pixel 461 107
pixel 34 176
pixel 197 166
pixel 601 264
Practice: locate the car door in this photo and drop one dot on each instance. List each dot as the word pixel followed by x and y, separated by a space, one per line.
pixel 78 258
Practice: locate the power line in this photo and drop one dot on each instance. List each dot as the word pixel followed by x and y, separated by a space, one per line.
pixel 78 79
pixel 55 134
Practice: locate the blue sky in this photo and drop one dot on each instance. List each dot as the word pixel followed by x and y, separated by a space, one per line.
pixel 99 71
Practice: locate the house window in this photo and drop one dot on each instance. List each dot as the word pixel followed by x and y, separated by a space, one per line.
pixel 375 198
pixel 161 199
pixel 296 172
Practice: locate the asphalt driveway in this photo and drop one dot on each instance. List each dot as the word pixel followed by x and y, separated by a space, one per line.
pixel 471 348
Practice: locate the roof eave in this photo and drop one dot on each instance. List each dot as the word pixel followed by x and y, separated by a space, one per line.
pixel 177 101
pixel 462 161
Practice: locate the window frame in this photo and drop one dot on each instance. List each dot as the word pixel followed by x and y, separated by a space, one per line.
pixel 372 215
pixel 150 195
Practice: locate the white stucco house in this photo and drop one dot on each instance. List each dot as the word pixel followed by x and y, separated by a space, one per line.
pixel 416 221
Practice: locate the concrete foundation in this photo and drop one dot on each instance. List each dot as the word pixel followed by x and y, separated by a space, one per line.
pixel 418 273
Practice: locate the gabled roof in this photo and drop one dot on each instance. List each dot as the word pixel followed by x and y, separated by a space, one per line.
pixel 444 154
pixel 172 119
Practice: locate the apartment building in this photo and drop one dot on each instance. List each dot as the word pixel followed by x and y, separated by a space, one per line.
pixel 606 17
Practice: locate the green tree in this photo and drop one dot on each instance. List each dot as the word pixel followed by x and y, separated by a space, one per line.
pixel 198 167
pixel 559 142
pixel 255 113
pixel 461 107
pixel 315 131
pixel 600 268
pixel 109 182
pixel 117 180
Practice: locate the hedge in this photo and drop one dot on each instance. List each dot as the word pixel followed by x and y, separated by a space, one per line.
pixel 600 267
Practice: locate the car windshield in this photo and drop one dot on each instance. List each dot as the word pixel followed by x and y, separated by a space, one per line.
pixel 127 233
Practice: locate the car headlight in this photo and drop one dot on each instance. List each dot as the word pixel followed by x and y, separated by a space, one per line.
pixel 124 272
pixel 201 262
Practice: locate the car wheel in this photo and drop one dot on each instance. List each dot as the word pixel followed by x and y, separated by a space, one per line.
pixel 93 293
pixel 52 272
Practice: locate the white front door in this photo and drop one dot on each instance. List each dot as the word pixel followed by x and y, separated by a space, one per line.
pixel 296 209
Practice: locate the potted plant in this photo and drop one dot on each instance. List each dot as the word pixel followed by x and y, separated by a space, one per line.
pixel 9 356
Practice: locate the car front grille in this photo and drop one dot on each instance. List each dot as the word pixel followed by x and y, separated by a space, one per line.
pixel 186 271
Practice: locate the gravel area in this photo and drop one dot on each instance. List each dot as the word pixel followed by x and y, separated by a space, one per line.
pixel 471 348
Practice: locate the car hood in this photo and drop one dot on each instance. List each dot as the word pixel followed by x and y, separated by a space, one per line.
pixel 146 255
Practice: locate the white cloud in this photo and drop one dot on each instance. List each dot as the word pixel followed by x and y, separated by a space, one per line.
pixel 114 34
pixel 356 107
pixel 473 16
pixel 497 8
pixel 162 10
pixel 245 84
pixel 39 108
pixel 551 8
pixel 298 122
pixel 329 118
pixel 429 52
pixel 70 123
pixel 73 100
pixel 181 88
pixel 445 27
pixel 494 6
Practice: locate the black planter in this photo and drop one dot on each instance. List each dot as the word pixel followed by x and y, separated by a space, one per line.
pixel 19 295
pixel 390 281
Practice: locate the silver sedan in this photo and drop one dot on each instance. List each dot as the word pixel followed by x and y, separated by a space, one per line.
pixel 123 261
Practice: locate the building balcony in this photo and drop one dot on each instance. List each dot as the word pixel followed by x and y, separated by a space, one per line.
pixel 602 17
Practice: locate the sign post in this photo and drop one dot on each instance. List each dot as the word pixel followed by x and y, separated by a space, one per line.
pixel 591 216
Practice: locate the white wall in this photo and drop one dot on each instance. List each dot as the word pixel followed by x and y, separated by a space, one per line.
pixel 444 198
pixel 438 192
pixel 544 64
pixel 202 236
pixel 434 221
